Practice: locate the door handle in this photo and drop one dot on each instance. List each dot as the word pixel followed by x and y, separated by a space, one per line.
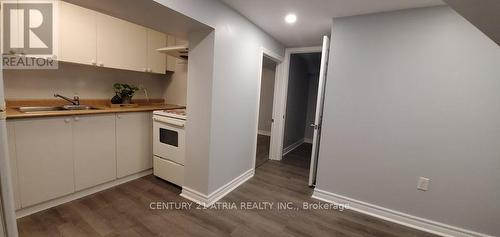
pixel 169 121
pixel 315 126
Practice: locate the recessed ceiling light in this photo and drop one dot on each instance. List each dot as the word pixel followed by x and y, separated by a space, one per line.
pixel 290 18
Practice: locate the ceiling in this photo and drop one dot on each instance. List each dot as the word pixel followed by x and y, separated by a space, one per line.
pixel 314 17
pixel 484 14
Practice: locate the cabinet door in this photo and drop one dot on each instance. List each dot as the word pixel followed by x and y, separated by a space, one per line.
pixel 77 34
pixel 121 44
pixel 11 140
pixel 171 61
pixel 134 145
pixel 44 158
pixel 135 43
pixel 110 41
pixel 156 61
pixel 94 150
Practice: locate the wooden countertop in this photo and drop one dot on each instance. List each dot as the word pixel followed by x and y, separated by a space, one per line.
pixel 13 112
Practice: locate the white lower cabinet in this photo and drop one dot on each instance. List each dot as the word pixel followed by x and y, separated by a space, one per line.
pixel 52 157
pixel 134 135
pixel 11 137
pixel 94 150
pixel 44 158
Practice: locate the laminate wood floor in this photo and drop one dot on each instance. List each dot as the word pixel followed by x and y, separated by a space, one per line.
pixel 262 154
pixel 125 211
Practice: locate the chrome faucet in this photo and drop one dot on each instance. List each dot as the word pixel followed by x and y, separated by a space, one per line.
pixel 74 101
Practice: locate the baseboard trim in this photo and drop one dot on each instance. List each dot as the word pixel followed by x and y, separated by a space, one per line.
pixel 395 216
pixel 293 146
pixel 208 200
pixel 265 133
pixel 77 195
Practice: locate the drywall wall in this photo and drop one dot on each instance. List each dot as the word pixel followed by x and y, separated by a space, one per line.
pixel 414 93
pixel 176 84
pixel 198 123
pixel 266 99
pixel 296 101
pixel 87 81
pixel 234 90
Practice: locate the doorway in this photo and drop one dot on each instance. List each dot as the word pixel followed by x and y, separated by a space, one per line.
pixel 299 105
pixel 266 102
pixel 300 113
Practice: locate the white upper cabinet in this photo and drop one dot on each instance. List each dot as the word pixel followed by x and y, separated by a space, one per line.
pixel 77 34
pixel 157 61
pixel 110 42
pixel 135 47
pixel 94 150
pixel 121 44
pixel 44 158
pixel 134 145
pixel 92 38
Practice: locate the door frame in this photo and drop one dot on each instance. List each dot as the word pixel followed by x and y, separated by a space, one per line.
pixel 276 57
pixel 280 98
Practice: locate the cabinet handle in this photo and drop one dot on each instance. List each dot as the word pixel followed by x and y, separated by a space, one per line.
pixel 77 118
pixel 67 120
pixel 93 62
pixel 118 116
pixel 101 64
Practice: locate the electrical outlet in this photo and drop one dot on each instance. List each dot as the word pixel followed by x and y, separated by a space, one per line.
pixel 423 183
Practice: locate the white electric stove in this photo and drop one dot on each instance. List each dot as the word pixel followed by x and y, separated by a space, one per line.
pixel 169 144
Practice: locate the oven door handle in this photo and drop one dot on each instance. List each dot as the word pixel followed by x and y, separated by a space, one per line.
pixel 169 121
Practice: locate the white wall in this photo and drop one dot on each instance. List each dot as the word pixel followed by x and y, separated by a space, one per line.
pixel 198 124
pixel 234 89
pixel 88 81
pixel 266 99
pixel 414 93
pixel 176 84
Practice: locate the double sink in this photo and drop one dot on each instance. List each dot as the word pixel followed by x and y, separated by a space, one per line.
pixel 38 109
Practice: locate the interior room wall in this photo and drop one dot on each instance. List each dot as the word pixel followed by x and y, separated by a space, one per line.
pixel 296 105
pixel 176 84
pixel 199 96
pixel 85 80
pixel 266 99
pixel 414 93
pixel 236 61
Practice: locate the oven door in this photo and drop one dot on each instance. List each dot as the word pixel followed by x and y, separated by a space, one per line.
pixel 169 138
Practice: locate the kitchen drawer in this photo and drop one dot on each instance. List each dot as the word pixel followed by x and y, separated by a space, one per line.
pixel 168 170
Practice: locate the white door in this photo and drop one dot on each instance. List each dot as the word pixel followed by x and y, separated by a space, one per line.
pixel 319 110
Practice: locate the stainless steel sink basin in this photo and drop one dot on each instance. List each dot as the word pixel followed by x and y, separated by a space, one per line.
pixel 38 109
pixel 78 107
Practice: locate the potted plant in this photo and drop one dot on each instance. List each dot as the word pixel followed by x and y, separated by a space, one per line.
pixel 125 92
